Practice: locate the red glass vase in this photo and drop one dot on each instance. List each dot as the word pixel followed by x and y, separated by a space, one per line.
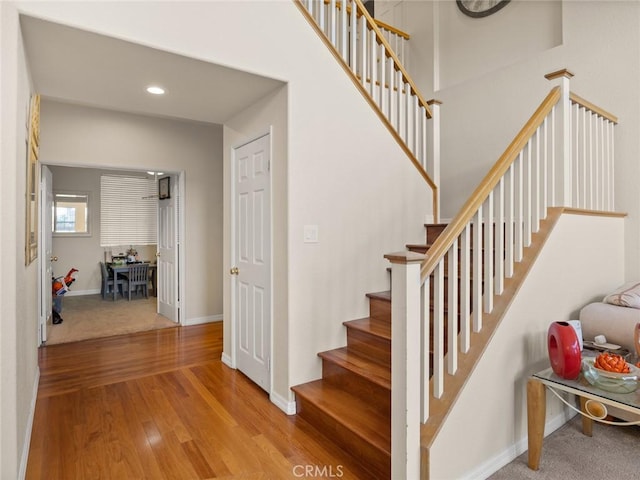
pixel 564 350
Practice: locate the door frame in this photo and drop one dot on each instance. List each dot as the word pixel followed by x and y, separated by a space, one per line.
pixel 44 290
pixel 231 361
pixel 180 233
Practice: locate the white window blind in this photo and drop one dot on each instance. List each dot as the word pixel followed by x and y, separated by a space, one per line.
pixel 128 210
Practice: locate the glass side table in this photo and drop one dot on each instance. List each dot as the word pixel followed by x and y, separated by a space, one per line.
pixel 593 403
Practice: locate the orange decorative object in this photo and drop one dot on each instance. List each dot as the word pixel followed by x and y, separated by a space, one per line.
pixel 611 362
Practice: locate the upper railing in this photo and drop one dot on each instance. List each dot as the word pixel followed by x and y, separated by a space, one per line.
pixel 365 51
pixel 563 156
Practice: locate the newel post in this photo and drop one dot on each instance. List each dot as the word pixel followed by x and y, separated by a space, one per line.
pixel 432 160
pixel 561 195
pixel 405 364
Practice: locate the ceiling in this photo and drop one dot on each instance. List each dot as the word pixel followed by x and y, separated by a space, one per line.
pixel 77 66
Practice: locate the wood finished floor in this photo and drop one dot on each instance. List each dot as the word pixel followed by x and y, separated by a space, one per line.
pixel 161 405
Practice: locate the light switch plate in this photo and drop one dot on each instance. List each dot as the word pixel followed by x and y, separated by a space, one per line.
pixel 311 234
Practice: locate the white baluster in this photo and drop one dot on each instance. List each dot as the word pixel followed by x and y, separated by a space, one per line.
pixel 399 102
pixel 499 244
pixel 373 60
pixel 363 50
pixel 477 271
pixel 465 289
pixel 452 306
pixel 344 32
pixel 509 233
pixel 332 22
pixel 438 330
pixel 320 17
pixel 382 60
pixel 488 253
pixel 353 39
pixel 545 168
pixel 535 197
pixel 553 167
pixel 425 373
pixel 527 196
pixel 519 212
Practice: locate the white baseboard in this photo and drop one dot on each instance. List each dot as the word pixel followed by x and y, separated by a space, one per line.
pixel 29 427
pixel 201 320
pixel 77 293
pixel 283 404
pixel 226 359
pixel 494 464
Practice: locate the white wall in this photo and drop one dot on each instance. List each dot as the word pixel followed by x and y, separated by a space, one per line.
pixel 18 284
pixel 560 283
pixel 83 252
pixel 344 171
pixel 83 136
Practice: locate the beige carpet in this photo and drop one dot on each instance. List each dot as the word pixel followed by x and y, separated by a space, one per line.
pixel 567 454
pixel 89 316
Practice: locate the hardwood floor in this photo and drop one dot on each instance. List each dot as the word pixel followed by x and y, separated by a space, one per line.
pixel 161 405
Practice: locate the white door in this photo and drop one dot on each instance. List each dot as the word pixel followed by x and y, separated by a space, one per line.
pixel 167 256
pixel 46 252
pixel 252 259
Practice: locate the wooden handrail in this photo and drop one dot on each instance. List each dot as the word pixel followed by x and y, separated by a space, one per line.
pixel 441 246
pixel 390 53
pixel 594 108
pixel 384 26
pixel 397 31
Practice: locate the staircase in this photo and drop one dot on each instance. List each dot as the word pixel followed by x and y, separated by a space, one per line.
pixel 351 403
pixel 556 161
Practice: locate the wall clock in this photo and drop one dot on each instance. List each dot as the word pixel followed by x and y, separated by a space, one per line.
pixel 480 8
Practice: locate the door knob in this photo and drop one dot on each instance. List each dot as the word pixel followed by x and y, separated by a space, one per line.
pixel 234 271
pixel 157 254
pixel 54 258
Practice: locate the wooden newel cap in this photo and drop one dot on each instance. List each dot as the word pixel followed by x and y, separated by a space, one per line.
pixel 405 257
pixel 558 74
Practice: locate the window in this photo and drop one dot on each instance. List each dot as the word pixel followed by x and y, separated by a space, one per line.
pixel 128 210
pixel 71 214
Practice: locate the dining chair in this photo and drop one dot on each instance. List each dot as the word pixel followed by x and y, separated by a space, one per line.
pixel 107 281
pixel 138 278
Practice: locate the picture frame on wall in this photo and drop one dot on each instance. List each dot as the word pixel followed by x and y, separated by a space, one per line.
pixel 31 212
pixel 164 188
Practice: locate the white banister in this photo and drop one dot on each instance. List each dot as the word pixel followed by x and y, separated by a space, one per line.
pixel 563 156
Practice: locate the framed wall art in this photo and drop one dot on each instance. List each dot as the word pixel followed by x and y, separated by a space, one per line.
pixel 33 174
pixel 164 188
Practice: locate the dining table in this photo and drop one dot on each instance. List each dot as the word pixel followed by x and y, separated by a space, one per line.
pixel 122 268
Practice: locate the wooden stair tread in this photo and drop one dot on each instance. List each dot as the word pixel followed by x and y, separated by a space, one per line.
pixel 386 295
pixel 374 326
pixel 355 414
pixel 371 370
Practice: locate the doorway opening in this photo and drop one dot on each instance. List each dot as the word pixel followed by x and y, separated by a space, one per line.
pixel 86 311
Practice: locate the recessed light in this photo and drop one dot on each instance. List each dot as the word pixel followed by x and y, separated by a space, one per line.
pixel 155 90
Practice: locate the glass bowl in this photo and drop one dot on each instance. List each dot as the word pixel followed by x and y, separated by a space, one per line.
pixel 610 381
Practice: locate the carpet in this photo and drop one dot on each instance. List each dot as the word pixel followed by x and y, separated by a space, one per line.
pixel 89 316
pixel 612 453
